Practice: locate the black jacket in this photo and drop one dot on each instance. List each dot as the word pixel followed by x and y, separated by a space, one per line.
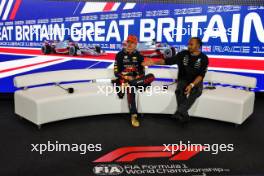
pixel 190 66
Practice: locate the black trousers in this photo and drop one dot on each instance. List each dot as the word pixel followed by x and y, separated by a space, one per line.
pixel 185 102
pixel 143 83
pixel 131 99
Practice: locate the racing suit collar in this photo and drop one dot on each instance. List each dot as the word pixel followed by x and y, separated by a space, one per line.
pixel 125 51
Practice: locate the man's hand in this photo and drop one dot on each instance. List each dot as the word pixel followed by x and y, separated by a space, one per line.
pixel 188 89
pixel 148 62
pixel 138 76
pixel 126 77
pixel 129 78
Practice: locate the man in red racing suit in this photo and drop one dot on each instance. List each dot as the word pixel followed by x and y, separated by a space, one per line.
pixel 130 73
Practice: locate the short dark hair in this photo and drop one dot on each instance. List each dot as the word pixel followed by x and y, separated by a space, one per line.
pixel 198 40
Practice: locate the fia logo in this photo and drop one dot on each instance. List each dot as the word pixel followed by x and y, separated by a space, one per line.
pixel 108 169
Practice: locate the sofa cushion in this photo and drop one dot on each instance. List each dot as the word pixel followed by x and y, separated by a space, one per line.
pixel 51 103
pixel 158 100
pixel 225 104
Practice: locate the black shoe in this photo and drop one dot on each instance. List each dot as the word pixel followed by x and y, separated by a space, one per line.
pixel 176 115
pixel 184 119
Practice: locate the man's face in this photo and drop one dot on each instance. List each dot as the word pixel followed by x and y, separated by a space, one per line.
pixel 131 46
pixel 193 45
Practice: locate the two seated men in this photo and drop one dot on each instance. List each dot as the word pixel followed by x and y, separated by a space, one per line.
pixel 192 65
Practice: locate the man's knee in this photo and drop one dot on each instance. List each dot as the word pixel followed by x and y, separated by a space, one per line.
pixel 180 88
pixel 197 91
pixel 179 92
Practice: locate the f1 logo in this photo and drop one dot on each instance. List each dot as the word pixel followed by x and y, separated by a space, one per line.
pixel 130 154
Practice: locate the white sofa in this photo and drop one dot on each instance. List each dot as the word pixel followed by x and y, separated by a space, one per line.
pixel 44 102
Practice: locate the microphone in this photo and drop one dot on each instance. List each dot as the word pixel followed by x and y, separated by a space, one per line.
pixel 165 87
pixel 69 90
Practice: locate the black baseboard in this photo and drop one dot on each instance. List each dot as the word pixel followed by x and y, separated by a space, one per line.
pixel 260 94
pixel 6 96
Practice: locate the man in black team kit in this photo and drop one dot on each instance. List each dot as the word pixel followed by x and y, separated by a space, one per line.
pixel 192 66
pixel 128 67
